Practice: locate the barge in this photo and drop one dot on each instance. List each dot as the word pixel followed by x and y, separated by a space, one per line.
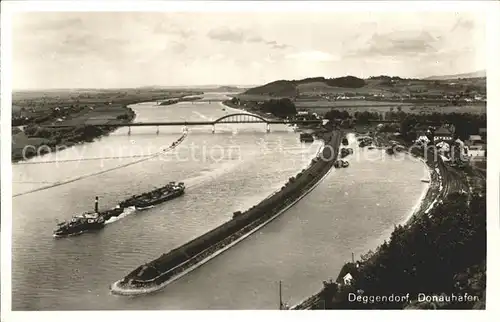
pixel 168 192
pixel 155 275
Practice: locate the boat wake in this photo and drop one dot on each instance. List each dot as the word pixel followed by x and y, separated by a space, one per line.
pixel 125 213
pixel 144 208
pixel 64 236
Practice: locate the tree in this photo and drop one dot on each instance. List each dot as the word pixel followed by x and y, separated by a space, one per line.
pixel 407 128
pixel 280 107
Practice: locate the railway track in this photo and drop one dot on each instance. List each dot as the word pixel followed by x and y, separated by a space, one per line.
pixel 452 179
pixel 309 303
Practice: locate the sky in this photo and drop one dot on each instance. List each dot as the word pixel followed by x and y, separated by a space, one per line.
pixel 132 49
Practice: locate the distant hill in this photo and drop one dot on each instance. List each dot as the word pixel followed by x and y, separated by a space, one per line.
pixel 477 74
pixel 229 89
pixel 291 88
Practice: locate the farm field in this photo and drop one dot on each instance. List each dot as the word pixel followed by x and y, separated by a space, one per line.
pixel 321 107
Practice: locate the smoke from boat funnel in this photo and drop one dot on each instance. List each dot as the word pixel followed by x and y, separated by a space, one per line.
pixel 96 204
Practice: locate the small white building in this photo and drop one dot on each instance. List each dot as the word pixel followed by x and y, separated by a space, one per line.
pixel 422 139
pixel 347 279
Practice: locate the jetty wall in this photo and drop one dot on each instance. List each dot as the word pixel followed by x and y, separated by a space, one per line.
pixel 169 264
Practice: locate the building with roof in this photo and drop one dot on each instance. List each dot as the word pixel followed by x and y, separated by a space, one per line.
pixel 422 138
pixel 443 134
pixel 474 138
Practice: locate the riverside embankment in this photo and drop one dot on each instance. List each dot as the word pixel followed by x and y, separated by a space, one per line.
pixel 178 262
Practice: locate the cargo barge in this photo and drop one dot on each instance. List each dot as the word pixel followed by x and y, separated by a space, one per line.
pixel 156 274
pixel 148 199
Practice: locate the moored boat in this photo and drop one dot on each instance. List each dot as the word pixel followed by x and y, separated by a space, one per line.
pixel 345 152
pixel 341 164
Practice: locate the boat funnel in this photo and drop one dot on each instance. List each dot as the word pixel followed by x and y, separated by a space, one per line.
pixel 96 204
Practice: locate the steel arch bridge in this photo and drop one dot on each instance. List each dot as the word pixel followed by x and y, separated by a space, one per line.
pixel 241 118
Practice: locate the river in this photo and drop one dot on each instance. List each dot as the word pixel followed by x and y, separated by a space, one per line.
pixel 352 210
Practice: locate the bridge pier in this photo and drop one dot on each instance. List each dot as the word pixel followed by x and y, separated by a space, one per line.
pixel 129 130
pixel 157 130
pixel 213 128
pixel 268 129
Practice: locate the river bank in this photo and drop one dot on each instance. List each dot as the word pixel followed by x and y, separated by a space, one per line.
pixel 84 111
pixel 36 140
pixel 244 108
pixel 268 116
pixel 178 262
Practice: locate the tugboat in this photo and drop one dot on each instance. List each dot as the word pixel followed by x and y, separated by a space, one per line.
pixel 86 221
pixel 165 193
pixel 79 224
